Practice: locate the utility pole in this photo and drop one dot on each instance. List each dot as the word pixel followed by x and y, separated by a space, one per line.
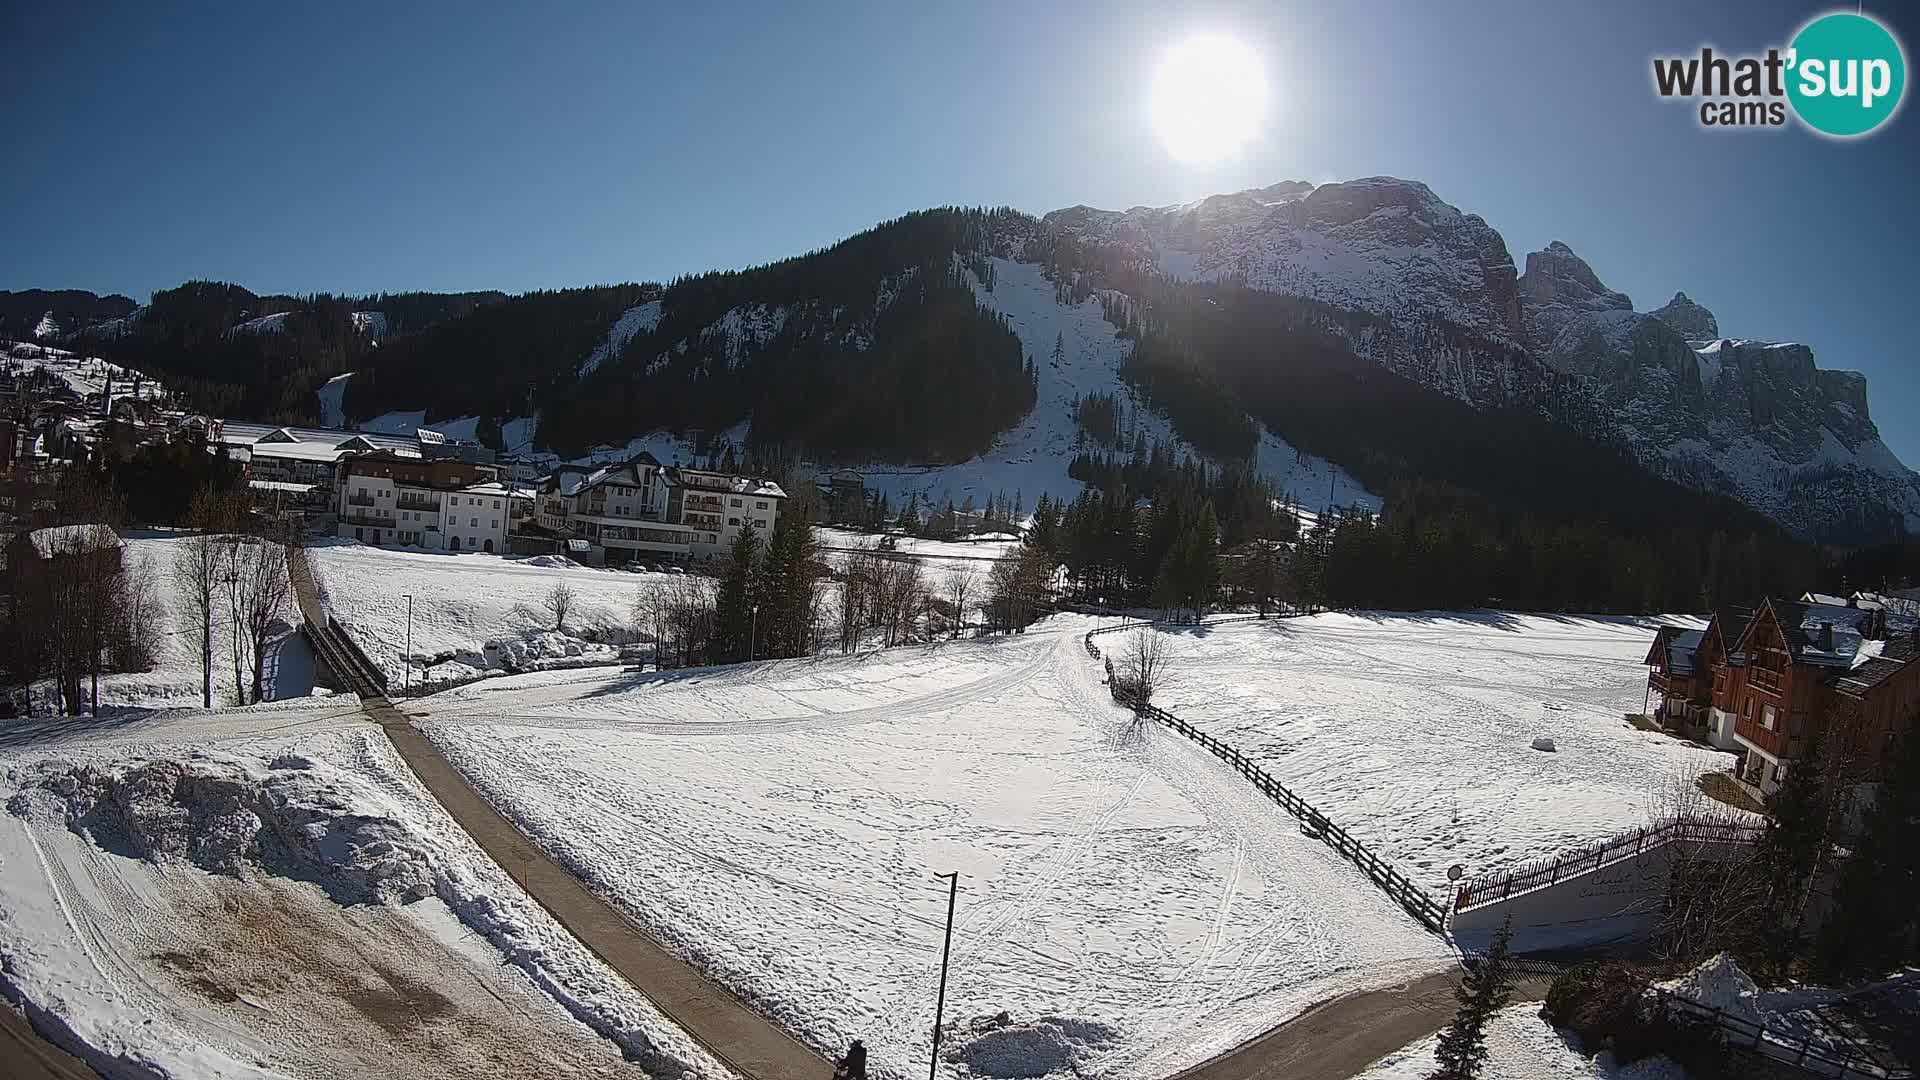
pixel 946 952
pixel 406 661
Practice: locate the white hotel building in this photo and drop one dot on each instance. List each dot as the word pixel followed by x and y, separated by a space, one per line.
pixel 643 510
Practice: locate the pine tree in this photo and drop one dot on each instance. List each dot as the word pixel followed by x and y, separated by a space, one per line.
pixel 1483 991
pixel 1790 850
pixel 734 616
pixel 1878 927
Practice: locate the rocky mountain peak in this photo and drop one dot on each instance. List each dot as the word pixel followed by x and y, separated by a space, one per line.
pixel 1558 288
pixel 1689 318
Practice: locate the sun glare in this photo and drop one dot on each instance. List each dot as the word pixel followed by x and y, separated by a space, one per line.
pixel 1208 98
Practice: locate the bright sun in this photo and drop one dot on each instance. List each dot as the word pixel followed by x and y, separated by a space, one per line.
pixel 1208 98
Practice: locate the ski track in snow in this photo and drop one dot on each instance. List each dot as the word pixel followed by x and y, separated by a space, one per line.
pixel 1414 732
pixel 778 825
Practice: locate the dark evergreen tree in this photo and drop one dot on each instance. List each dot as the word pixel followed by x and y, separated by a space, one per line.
pixel 1483 991
pixel 735 620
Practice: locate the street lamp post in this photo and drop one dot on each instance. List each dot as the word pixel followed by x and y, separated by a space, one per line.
pixel 753 632
pixel 946 952
pixel 406 661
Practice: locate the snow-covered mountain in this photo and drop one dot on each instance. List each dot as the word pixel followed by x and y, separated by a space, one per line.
pixel 1755 420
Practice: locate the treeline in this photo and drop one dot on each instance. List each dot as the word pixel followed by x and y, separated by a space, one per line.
pixel 875 349
pixel 1429 551
pixel 194 337
pixel 190 338
pixel 72 309
pixel 1146 536
pixel 499 359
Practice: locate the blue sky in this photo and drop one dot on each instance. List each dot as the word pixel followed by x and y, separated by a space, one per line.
pixel 409 146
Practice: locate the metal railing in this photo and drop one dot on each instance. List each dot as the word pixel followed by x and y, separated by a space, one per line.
pixel 1541 873
pixel 1415 900
pixel 1799 1051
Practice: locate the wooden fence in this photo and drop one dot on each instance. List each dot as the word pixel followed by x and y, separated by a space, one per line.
pixel 1548 871
pixel 1415 900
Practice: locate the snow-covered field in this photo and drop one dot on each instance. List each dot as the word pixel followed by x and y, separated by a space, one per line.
pixel 1414 732
pixel 1522 1046
pixel 473 613
pixel 1131 905
pixel 270 893
pixel 937 558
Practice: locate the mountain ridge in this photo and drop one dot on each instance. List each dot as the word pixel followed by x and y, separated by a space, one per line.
pixel 1399 276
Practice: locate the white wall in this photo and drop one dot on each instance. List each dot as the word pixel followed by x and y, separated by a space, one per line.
pixel 1618 903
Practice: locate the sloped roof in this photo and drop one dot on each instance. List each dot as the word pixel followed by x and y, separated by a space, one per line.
pixel 1681 648
pixel 1897 654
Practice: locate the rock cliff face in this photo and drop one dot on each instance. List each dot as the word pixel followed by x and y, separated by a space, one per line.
pixel 1689 318
pixel 1753 419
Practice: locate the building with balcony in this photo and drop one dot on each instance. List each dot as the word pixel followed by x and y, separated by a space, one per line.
pixel 641 510
pixel 442 504
pixel 1780 679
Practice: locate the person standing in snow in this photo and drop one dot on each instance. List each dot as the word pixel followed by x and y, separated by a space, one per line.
pixel 854 1065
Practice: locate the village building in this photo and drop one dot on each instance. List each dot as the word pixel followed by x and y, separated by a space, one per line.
pixel 388 497
pixel 1772 683
pixel 642 511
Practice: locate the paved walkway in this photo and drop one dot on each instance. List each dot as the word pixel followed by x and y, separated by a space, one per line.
pixel 24 1055
pixel 1340 1038
pixel 750 1044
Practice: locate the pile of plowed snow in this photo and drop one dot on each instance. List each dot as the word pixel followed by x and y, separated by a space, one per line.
pixel 297 818
pixel 1045 1046
pixel 346 817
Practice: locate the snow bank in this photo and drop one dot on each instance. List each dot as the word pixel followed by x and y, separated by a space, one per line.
pixel 339 810
pixel 1047 1046
pixel 296 818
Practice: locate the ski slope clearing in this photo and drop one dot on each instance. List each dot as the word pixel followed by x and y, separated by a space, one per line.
pixel 473 614
pixel 83 374
pixel 1131 905
pixel 286 904
pixel 1522 1046
pixel 1415 732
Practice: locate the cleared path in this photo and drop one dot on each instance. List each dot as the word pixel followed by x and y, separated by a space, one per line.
pixel 24 1055
pixel 747 1042
pixel 1341 1038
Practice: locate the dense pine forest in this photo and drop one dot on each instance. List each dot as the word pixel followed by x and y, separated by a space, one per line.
pixel 872 350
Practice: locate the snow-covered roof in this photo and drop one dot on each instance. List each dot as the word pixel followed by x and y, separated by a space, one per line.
pixel 1681 649
pixel 60 540
pixel 283 486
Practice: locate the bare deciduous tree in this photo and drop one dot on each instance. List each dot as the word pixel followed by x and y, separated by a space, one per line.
pixel 1143 664
pixel 559 603
pixel 960 589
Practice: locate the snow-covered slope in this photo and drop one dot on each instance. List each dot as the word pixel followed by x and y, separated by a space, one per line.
pixel 332 396
pixel 639 319
pixel 1381 245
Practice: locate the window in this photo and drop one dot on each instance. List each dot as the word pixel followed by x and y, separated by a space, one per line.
pixel 473 523
pixel 1768 717
pixel 733 522
pixel 733 502
pixel 496 504
pixel 1747 709
pixel 496 523
pixel 760 505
